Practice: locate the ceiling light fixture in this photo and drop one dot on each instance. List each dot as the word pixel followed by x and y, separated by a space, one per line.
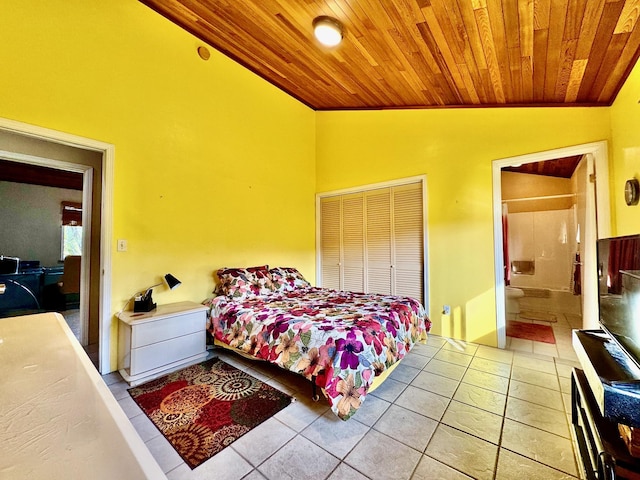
pixel 327 30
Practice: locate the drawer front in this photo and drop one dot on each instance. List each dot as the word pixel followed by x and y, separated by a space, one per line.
pixel 166 328
pixel 163 353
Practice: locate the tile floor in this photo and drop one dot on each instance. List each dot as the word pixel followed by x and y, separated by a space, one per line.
pixel 450 411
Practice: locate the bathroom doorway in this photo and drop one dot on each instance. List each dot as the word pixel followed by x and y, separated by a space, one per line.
pixel 547 270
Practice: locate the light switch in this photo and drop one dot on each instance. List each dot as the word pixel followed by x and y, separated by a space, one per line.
pixel 122 245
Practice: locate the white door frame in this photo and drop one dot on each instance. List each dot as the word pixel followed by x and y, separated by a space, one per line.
pixel 106 220
pixel 601 163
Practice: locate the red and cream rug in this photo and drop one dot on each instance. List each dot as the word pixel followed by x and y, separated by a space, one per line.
pixel 204 408
pixel 530 331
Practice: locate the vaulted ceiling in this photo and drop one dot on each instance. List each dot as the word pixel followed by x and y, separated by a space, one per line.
pixel 426 53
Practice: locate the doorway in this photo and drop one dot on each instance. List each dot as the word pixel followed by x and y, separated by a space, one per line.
pixel 596 205
pixel 95 273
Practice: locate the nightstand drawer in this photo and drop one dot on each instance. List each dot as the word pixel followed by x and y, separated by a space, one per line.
pixel 157 331
pixel 146 358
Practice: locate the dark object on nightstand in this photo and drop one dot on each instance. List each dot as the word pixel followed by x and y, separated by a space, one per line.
pixel 144 303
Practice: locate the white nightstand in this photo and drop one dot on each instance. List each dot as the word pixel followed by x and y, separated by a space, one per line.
pixel 166 339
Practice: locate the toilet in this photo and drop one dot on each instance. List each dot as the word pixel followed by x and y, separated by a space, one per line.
pixel 513 296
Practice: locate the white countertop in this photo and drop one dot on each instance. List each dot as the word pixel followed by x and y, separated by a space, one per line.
pixel 58 418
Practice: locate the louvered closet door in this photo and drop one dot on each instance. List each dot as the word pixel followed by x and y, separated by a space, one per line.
pixel 408 241
pixel 330 241
pixel 378 241
pixel 353 242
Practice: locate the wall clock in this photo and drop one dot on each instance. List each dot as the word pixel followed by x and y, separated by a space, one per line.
pixel 632 191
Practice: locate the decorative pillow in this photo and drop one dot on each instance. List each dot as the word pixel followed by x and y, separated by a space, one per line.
pixel 286 279
pixel 243 282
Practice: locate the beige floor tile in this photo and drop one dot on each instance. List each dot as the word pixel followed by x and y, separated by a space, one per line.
pixel 345 472
pixel 547 349
pixel 389 390
pixel 425 403
pixel 482 398
pixel 456 358
pixel 436 341
pixel 534 362
pixel 414 360
pixel 474 421
pixel 464 452
pixel 371 457
pixel 334 435
pixel 301 413
pixel 446 369
pixel 521 345
pixel 166 456
pixel 491 366
pixel 486 380
pixel 495 354
pixel 311 461
pixel 410 428
pixel 512 466
pixel 436 384
pixel 538 416
pixel 226 465
pixel 270 435
pixel 544 447
pixel 535 394
pixel 371 410
pixel 534 377
pixel 424 350
pixel 404 373
pixel 431 469
pixel 460 346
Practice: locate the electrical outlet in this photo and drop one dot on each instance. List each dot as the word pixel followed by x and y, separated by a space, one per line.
pixel 446 309
pixel 122 245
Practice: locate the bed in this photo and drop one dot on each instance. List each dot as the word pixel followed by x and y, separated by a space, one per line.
pixel 344 342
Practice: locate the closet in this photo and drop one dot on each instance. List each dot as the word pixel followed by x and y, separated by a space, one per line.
pixel 373 240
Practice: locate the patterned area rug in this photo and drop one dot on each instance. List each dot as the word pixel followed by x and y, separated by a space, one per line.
pixel 542 316
pixel 204 408
pixel 530 331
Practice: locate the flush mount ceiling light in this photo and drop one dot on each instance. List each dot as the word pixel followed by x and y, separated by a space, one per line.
pixel 327 30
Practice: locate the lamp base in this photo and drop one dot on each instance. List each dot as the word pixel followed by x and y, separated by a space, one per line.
pixel 144 304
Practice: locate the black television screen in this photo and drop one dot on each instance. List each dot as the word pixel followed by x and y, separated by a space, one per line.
pixel 619 291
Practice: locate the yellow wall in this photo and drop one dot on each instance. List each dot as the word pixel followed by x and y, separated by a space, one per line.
pixel 455 149
pixel 213 166
pixel 625 153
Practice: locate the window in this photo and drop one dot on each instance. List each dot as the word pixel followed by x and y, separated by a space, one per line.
pixel 71 229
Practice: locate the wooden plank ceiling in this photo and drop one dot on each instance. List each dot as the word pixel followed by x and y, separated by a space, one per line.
pixel 561 167
pixel 426 53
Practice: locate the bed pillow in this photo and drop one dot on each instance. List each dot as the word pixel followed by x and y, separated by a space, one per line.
pixel 286 279
pixel 244 282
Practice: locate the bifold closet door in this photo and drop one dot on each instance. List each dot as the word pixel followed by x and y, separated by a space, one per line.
pixel 373 241
pixel 408 241
pixel 378 241
pixel 331 241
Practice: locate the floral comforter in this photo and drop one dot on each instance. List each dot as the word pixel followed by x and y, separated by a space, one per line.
pixel 341 340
